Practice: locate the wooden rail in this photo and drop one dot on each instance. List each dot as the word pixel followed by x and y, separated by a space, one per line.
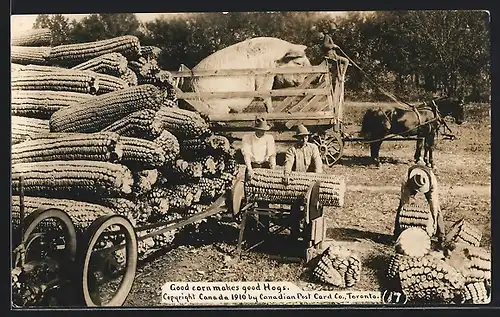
pixel 253 94
pixel 251 71
pixel 272 116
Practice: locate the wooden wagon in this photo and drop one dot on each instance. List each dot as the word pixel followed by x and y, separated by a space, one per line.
pixel 317 103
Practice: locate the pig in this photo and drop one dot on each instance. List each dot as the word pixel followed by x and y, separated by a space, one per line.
pixel 259 52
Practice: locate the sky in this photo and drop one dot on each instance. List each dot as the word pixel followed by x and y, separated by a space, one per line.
pixel 20 23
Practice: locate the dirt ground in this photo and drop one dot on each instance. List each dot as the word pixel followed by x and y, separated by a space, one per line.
pixel 364 224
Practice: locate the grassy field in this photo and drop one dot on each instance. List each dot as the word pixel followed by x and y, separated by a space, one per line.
pixel 364 224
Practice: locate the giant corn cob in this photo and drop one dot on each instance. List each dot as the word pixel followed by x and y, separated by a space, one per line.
pixel 145 70
pixel 73 54
pixel 108 83
pixel 137 124
pixel 210 188
pixel 472 262
pixel 159 200
pixel 185 171
pixel 42 104
pixel 430 279
pixel 29 55
pixel 129 77
pixel 150 52
pixel 338 266
pixel 101 146
pixel 181 123
pixel 476 293
pixel 393 268
pixel 99 84
pixel 412 215
pixel 114 64
pixel 81 213
pixel 463 231
pixel 121 206
pixel 215 145
pixel 55 80
pixel 102 111
pixel 33 37
pixel 267 185
pixel 23 127
pixel 413 242
pixel 141 154
pixel 144 181
pixel 64 179
pixel 170 145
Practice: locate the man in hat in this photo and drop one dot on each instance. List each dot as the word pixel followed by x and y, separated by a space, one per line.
pixel 258 148
pixel 259 151
pixel 301 157
pixel 422 180
pixel 329 48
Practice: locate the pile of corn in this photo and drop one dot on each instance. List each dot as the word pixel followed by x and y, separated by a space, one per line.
pixel 459 273
pixel 96 130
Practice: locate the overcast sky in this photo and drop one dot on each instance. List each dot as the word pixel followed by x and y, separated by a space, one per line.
pixel 21 23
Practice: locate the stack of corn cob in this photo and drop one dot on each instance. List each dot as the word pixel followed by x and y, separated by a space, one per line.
pixel 462 273
pixel 96 130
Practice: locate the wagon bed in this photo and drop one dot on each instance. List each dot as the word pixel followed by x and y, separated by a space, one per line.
pixel 317 103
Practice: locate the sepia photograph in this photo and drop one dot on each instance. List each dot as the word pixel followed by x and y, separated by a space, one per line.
pixel 251 159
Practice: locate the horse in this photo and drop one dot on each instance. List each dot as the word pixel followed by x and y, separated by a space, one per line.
pixel 422 121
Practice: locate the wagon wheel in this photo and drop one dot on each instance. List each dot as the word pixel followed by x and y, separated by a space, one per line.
pixel 45 238
pixel 104 265
pixel 49 237
pixel 331 146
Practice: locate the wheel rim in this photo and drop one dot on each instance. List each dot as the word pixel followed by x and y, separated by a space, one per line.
pixel 68 228
pixel 90 283
pixel 47 238
pixel 330 146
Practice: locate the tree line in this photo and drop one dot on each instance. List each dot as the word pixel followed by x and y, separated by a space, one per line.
pixel 413 54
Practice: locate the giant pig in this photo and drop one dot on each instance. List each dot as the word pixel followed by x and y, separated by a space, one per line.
pixel 260 52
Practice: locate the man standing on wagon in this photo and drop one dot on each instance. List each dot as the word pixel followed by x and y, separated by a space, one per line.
pixel 301 157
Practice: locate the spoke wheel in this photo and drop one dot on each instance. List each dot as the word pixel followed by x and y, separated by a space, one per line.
pixel 99 268
pixel 33 238
pixel 50 245
pixel 330 145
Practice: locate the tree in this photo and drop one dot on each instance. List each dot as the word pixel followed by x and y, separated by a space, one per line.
pixel 104 26
pixel 58 25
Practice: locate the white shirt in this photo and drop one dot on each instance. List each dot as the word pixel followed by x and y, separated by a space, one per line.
pixel 259 149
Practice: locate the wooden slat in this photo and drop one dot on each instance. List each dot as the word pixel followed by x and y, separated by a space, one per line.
pixel 271 116
pixel 300 106
pixel 251 94
pixel 285 103
pixel 252 71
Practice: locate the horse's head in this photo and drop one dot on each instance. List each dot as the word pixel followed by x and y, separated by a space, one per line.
pixel 454 107
pixel 295 57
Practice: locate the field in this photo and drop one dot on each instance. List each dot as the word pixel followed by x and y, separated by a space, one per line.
pixel 364 224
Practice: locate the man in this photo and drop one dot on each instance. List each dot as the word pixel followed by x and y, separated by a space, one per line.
pixel 423 181
pixel 329 48
pixel 302 157
pixel 259 151
pixel 258 148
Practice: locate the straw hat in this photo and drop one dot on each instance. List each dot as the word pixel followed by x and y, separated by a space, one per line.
pixel 420 180
pixel 301 131
pixel 261 124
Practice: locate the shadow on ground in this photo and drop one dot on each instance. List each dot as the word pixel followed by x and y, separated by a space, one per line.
pixel 351 160
pixel 351 234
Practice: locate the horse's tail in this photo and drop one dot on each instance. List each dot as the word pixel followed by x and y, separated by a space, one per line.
pixel 374 123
